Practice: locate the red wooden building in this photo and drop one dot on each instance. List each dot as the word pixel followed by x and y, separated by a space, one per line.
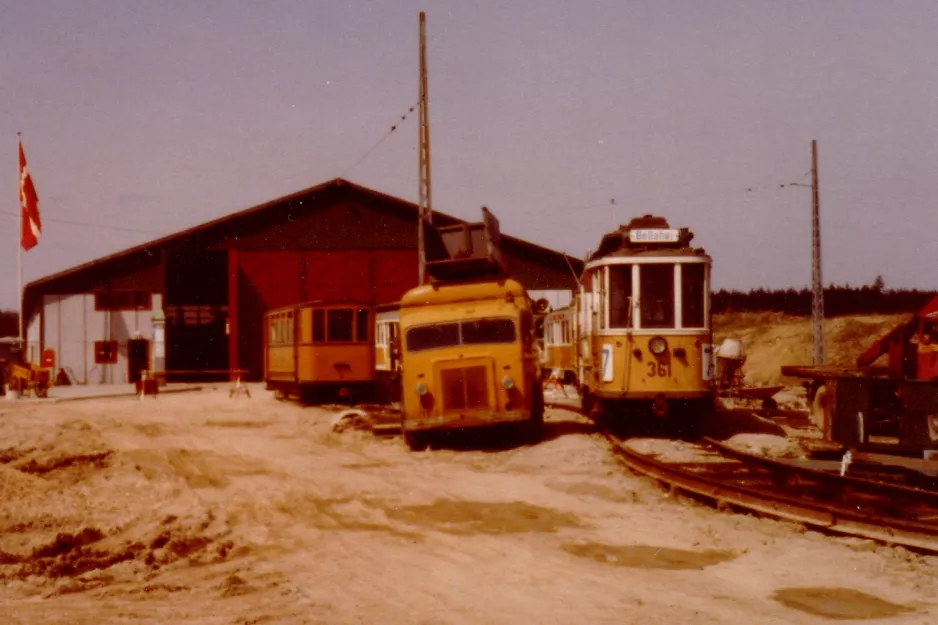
pixel 213 282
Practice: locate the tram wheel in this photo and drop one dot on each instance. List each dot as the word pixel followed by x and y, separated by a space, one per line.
pixel 820 412
pixel 587 402
pixel 417 441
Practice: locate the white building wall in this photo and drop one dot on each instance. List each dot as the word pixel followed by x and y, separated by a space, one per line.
pixel 32 339
pixel 70 325
pixel 69 345
pixel 558 298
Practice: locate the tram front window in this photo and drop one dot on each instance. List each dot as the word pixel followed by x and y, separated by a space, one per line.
pixel 620 296
pixel 657 295
pixel 692 295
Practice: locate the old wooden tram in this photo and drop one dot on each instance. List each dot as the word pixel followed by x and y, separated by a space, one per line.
pixel 643 326
pixel 320 349
pixel 388 352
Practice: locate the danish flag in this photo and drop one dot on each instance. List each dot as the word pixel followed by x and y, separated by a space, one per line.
pixel 29 205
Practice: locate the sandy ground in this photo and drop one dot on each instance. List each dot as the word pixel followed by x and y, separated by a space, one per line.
pixel 199 509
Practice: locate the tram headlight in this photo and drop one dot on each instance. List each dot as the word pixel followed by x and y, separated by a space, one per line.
pixel 508 383
pixel 421 388
pixel 657 345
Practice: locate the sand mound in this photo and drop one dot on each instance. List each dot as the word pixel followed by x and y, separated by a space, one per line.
pixel 767 445
pixel 774 339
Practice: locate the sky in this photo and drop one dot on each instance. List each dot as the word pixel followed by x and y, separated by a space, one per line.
pixel 565 118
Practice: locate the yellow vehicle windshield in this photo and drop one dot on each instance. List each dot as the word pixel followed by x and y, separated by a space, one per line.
pixel 455 333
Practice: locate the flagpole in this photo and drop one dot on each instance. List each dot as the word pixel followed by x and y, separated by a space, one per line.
pixel 19 292
pixel 19 258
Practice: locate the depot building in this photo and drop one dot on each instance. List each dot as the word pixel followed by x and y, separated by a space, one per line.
pixel 192 303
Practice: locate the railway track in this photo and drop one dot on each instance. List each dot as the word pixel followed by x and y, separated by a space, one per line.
pixel 730 479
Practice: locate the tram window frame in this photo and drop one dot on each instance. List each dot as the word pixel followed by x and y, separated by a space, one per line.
pixel 319 325
pixel 603 319
pixel 693 295
pixel 650 294
pixel 620 296
pixel 340 325
pixel 362 324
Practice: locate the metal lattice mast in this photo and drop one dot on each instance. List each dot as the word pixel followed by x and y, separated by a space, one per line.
pixel 817 308
pixel 425 215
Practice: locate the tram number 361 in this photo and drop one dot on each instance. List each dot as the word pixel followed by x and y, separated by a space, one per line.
pixel 659 369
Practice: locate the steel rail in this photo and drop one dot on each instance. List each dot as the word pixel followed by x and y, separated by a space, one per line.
pixel 830 518
pixel 858 484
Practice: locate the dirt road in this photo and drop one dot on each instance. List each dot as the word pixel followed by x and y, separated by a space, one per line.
pixel 199 509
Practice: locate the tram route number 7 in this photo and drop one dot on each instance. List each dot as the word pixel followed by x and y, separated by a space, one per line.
pixel 607 363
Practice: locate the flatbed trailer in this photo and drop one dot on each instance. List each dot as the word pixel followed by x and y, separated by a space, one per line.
pixel 851 404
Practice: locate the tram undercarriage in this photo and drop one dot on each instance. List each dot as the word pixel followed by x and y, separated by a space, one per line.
pixel 683 417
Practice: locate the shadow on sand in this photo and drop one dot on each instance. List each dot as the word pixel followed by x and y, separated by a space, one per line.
pixel 726 423
pixel 506 437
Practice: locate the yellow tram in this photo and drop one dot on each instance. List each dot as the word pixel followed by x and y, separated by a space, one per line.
pixel 469 358
pixel 644 331
pixel 388 352
pixel 320 349
pixel 560 344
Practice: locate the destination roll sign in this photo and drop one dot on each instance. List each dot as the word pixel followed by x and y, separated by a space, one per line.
pixel 655 235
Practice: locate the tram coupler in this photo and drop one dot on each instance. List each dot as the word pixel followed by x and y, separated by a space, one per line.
pixel 660 407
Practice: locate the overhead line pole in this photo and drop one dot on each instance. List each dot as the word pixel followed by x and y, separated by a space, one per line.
pixel 425 210
pixel 817 308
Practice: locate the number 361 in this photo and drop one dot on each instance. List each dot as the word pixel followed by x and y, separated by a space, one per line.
pixel 660 369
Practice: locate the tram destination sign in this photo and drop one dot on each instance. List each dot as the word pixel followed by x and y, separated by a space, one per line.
pixel 654 235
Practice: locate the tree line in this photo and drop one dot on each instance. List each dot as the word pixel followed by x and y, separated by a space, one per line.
pixel 870 299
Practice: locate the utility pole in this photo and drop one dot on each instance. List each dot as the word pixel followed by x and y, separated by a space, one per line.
pixel 817 308
pixel 425 210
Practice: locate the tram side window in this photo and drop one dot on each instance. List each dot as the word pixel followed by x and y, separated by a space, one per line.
pixel 361 325
pixel 339 326
pixel 319 326
pixel 620 296
pixel 600 275
pixel 657 295
pixel 692 295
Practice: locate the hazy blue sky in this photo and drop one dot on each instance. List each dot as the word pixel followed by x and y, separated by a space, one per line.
pixel 154 116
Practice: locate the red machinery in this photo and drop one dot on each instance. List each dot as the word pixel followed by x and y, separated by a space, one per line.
pixel 899 398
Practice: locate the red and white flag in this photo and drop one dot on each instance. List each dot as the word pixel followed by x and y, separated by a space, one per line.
pixel 29 207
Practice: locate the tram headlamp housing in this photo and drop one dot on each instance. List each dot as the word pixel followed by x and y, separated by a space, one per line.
pixel 508 383
pixel 421 388
pixel 657 345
